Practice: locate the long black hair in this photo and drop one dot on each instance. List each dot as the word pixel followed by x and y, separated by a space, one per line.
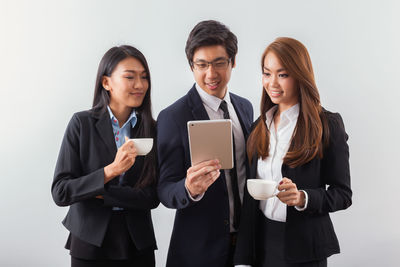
pixel 146 123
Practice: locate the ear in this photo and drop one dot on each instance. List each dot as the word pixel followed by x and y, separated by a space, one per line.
pixel 106 83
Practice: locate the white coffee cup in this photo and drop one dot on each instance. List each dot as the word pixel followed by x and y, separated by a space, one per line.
pixel 261 189
pixel 142 145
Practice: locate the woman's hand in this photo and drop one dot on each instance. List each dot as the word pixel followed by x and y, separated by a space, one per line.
pixel 289 193
pixel 124 160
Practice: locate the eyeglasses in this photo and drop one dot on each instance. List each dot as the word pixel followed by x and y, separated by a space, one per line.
pixel 218 64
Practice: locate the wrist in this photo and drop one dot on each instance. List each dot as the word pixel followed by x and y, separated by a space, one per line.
pixel 190 192
pixel 109 173
pixel 302 200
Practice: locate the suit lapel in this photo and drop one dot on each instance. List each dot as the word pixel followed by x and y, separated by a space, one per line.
pixel 104 129
pixel 196 105
pixel 241 113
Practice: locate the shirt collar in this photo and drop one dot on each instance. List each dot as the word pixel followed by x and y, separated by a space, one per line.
pixel 291 114
pixel 132 118
pixel 270 115
pixel 212 101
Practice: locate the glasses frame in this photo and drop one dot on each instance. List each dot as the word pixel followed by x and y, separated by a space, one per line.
pixel 196 67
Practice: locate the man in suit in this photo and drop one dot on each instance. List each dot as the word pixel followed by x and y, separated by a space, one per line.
pixel 207 199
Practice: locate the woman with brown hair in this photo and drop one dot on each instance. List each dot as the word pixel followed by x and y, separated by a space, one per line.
pixel 303 147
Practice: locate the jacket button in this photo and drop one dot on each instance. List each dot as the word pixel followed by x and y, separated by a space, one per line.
pixel 183 201
pixel 226 222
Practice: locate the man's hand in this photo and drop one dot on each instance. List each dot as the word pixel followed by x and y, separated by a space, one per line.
pixel 199 177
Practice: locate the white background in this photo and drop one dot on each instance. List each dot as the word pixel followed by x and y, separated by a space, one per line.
pixel 49 54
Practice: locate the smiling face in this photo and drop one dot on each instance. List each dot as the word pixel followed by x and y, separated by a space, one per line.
pixel 214 79
pixel 127 84
pixel 277 82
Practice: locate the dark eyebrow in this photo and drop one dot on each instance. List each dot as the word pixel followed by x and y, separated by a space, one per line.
pixel 219 58
pixel 132 71
pixel 282 69
pixel 216 59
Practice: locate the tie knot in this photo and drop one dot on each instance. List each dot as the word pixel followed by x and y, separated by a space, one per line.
pixel 224 107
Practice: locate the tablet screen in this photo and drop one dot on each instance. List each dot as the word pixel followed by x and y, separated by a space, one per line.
pixel 211 139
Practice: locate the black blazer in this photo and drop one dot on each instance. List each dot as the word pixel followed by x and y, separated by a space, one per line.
pixel 309 234
pixel 88 146
pixel 200 235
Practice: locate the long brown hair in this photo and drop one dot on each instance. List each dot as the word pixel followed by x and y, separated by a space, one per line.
pixel 311 132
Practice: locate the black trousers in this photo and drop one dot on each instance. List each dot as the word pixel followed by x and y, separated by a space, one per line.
pixel 145 260
pixel 270 252
pixel 232 246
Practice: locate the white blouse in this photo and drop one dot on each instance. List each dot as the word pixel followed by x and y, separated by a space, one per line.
pixel 271 167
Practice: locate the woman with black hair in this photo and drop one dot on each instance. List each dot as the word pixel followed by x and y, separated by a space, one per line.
pixel 109 188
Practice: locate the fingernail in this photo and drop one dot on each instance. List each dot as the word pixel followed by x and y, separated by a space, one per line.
pixel 280 182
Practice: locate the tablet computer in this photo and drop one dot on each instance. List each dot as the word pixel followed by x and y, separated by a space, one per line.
pixel 211 139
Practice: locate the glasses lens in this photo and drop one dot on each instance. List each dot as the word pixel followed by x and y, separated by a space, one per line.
pixel 201 65
pixel 221 64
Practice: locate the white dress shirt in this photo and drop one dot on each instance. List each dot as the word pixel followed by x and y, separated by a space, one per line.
pixel 211 104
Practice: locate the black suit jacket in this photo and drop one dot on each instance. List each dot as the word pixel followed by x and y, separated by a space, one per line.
pixel 200 235
pixel 309 234
pixel 88 146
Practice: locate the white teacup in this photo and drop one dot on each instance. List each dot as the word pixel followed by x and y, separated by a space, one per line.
pixel 261 189
pixel 142 145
